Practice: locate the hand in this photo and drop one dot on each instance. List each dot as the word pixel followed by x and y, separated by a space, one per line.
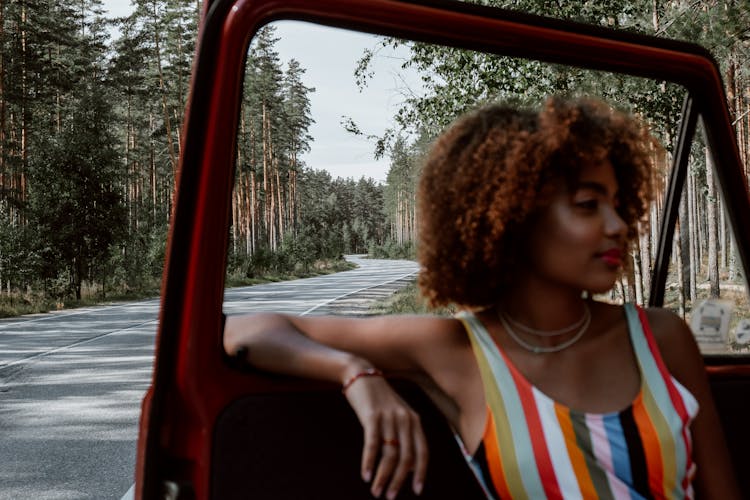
pixel 393 432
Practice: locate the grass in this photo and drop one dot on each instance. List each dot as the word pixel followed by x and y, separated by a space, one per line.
pixel 318 269
pixel 33 302
pixel 408 301
pixel 18 305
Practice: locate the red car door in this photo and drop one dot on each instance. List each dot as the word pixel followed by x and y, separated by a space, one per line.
pixel 212 429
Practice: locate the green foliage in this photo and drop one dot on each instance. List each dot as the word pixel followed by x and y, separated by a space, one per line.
pixel 136 263
pixel 75 205
pixel 339 216
pixel 286 263
pixel 90 134
pixel 393 250
pixel 456 80
pixel 89 144
pixel 19 259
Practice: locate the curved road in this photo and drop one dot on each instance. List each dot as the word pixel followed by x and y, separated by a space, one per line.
pixel 71 382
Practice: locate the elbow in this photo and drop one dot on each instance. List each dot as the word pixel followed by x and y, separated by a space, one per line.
pixel 233 335
pixel 241 331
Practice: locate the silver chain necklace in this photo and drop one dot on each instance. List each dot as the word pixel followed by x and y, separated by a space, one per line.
pixel 586 316
pixel 537 349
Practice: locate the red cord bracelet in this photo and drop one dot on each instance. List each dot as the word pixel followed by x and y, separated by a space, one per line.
pixel 370 372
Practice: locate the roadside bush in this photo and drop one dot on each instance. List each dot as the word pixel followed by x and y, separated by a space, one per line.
pixel 393 250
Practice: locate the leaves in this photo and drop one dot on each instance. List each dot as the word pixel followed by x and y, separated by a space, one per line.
pixel 456 80
pixel 75 204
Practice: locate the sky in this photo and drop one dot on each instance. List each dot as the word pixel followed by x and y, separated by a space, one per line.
pixel 330 57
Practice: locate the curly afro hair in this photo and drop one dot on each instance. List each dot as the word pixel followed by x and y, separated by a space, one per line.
pixel 496 167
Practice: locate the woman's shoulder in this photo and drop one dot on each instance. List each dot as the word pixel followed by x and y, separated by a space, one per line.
pixel 676 344
pixel 674 340
pixel 669 330
pixel 666 327
pixel 672 335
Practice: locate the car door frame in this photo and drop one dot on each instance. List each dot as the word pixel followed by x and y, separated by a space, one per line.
pixel 192 382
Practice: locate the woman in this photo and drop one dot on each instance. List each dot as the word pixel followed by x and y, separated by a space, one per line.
pixel 523 214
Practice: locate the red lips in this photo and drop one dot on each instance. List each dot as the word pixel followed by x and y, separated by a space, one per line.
pixel 612 257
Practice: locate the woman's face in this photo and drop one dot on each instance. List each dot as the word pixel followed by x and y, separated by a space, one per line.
pixel 579 240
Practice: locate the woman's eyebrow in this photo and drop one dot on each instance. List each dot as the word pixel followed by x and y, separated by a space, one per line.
pixel 594 186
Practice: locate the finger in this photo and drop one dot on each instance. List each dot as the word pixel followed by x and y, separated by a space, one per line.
pixel 405 464
pixel 421 457
pixel 371 448
pixel 389 453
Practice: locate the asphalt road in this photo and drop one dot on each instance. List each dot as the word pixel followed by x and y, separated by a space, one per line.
pixel 71 382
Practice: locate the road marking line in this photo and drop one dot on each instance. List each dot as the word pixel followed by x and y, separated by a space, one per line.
pixel 356 291
pixel 68 346
pixel 130 494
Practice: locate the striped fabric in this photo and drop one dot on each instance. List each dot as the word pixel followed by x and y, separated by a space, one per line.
pixel 534 447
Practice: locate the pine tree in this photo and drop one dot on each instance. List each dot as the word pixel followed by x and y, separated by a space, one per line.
pixel 75 201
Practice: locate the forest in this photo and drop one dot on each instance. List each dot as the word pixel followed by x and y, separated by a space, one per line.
pixel 90 122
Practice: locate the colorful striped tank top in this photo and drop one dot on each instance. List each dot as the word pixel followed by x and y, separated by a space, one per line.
pixel 534 447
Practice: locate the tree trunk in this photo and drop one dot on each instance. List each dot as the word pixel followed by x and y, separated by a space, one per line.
pixel 654 227
pixel 293 200
pixel 251 244
pixel 682 291
pixel 164 104
pixel 267 199
pixel 77 277
pixel 236 210
pixel 152 169
pixel 713 236
pixel 638 275
pixel 694 242
pixel 21 185
pixel 280 199
pixel 646 265
pixel 130 180
pixel 272 223
pixel 732 271
pixel 630 277
pixel 253 212
pixel 2 105
pixel 723 253
pixel 684 241
pixel 700 230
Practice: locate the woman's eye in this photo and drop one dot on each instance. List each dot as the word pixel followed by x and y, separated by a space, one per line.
pixel 587 204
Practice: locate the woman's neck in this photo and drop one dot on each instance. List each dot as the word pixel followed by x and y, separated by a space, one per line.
pixel 542 307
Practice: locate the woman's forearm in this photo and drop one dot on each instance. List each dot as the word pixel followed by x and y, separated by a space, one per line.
pixel 271 342
pixel 394 443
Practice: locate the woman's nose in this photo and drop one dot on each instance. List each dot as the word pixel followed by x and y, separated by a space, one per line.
pixel 614 224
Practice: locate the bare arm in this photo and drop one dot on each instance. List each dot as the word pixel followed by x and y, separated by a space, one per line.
pixel 274 343
pixel 323 347
pixel 715 474
pixel 336 349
